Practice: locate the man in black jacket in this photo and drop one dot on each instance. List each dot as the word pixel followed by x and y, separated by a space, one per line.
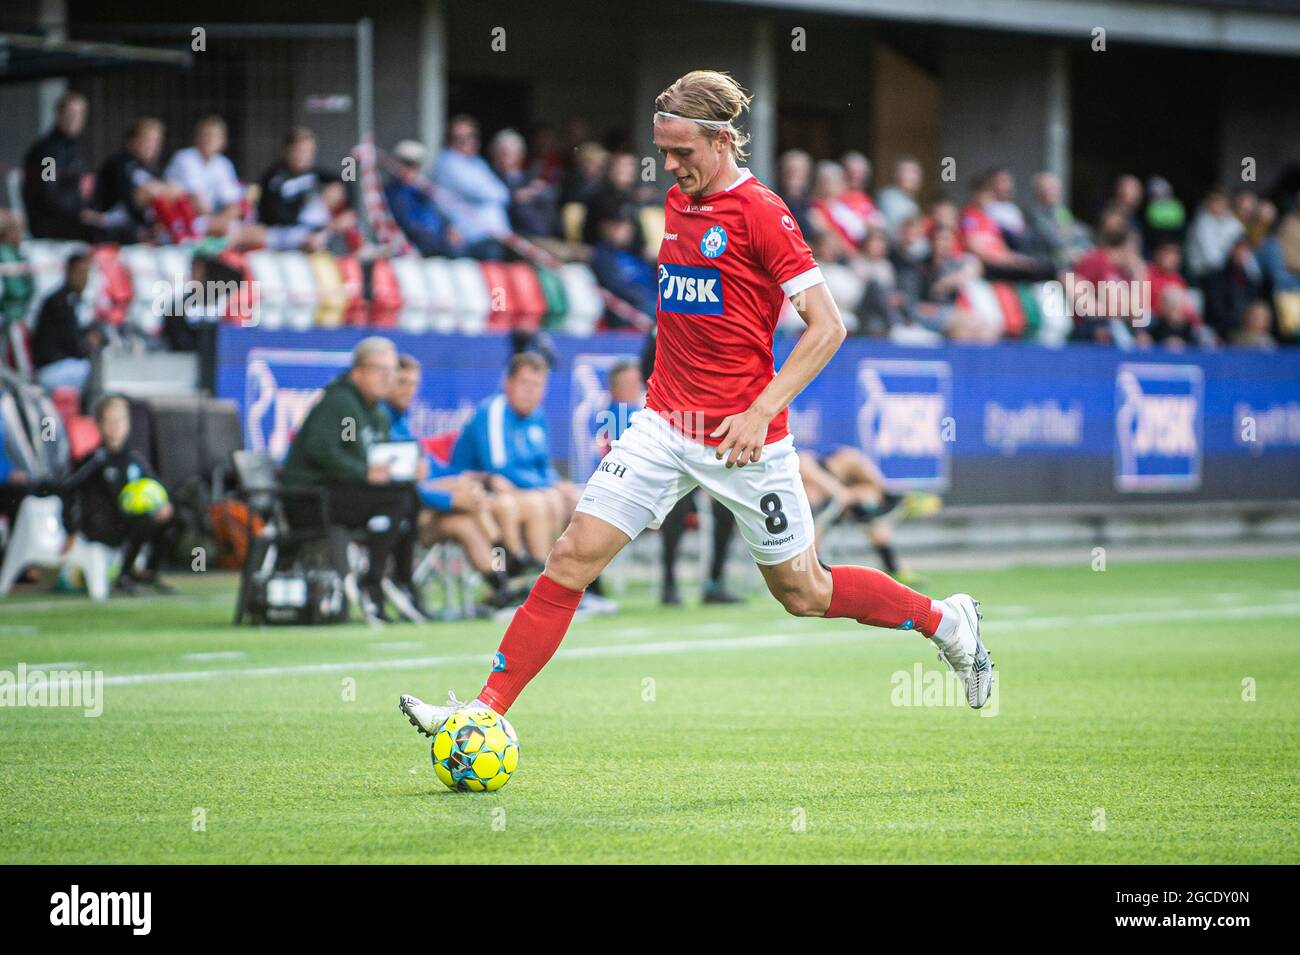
pixel 52 173
pixel 61 348
pixel 91 508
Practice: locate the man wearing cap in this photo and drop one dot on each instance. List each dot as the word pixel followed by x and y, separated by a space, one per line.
pixel 413 207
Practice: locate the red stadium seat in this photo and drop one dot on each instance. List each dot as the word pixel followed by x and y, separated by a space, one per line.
pixel 1013 313
pixel 385 295
pixel 501 316
pixel 529 297
pixel 115 290
pixel 357 310
pixel 83 435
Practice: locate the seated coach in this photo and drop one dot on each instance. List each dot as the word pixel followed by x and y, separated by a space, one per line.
pixel 332 451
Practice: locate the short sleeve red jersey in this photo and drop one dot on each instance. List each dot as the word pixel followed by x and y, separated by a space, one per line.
pixel 727 263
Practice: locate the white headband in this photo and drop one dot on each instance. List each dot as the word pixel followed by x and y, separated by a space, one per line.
pixel 714 123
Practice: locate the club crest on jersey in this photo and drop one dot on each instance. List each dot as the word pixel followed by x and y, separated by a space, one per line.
pixel 689 290
pixel 714 242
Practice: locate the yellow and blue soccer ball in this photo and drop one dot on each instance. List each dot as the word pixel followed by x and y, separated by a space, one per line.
pixel 475 750
pixel 142 496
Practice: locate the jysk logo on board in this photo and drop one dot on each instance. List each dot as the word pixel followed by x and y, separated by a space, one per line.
pixel 714 242
pixel 1158 427
pixel 690 290
pixel 902 418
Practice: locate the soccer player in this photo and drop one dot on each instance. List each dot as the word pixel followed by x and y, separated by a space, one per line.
pixel 715 414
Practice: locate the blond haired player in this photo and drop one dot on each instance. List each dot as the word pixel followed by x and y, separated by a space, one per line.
pixel 715 414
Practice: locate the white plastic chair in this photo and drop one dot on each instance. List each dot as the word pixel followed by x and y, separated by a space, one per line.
pixel 583 294
pixel 38 538
pixel 473 295
pixel 272 296
pixel 417 299
pixel 303 293
pixel 442 288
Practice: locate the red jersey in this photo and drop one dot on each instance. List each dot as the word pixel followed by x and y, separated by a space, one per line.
pixel 726 265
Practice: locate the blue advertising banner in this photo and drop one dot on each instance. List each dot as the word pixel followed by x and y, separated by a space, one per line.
pixel 999 423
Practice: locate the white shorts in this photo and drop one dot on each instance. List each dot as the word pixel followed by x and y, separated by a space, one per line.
pixel 652 466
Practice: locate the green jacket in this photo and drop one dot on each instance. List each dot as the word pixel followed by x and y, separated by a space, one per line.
pixel 333 443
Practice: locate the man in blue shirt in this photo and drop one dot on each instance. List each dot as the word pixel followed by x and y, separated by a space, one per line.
pixel 470 193
pixel 488 526
pixel 414 210
pixel 507 439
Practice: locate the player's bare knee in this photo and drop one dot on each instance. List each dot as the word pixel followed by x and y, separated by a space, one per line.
pixel 570 564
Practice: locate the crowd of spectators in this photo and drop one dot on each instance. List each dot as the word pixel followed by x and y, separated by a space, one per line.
pixel 1225 271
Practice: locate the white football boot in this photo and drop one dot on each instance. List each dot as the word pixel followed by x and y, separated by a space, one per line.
pixel 426 717
pixel 964 652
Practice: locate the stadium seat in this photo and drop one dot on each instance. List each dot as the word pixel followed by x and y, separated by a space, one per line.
pixel 557 302
pixel 417 298
pixel 652 226
pixel 111 288
pixel 331 293
pixel 1013 314
pixel 573 216
pixel 585 303
pixel 37 540
pixel 501 296
pixel 18 349
pixel 356 308
pixel 846 287
pixel 441 279
pixel 272 299
pixel 142 265
pixel 303 295
pixel 472 294
pixel 385 295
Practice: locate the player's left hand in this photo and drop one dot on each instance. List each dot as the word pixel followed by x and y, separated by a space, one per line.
pixel 742 437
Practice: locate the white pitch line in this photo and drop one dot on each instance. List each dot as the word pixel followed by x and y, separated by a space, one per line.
pixel 760 641
pixel 214 655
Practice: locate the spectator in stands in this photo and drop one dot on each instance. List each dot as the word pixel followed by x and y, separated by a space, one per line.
pixel 1165 218
pixel 944 307
pixel 617 198
pixel 534 202
pixel 619 269
pixel 1229 290
pixel 983 237
pixel 413 207
pixel 90 501
pixel 206 174
pixel 1002 209
pixel 1279 261
pixel 302 205
pixel 1256 328
pixel 857 183
pixel 898 202
pixel 832 216
pixel 17 287
pixel 507 438
pixel 587 174
pixel 1054 230
pixel 1255 215
pixel 470 194
pixel 455 506
pixel 133 195
pixel 331 452
pixel 53 178
pixel 1166 270
pixel 795 180
pixel 61 348
pixel 1214 232
pixel 1117 258
pixel 878 312
pixel 1171 326
pixel 1127 198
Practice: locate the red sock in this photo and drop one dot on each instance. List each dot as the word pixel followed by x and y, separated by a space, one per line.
pixel 534 633
pixel 878 600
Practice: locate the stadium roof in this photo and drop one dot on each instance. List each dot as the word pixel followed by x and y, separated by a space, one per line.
pixel 24 58
pixel 1264 26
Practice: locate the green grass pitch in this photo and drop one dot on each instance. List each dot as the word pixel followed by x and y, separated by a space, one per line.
pixel 1124 732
